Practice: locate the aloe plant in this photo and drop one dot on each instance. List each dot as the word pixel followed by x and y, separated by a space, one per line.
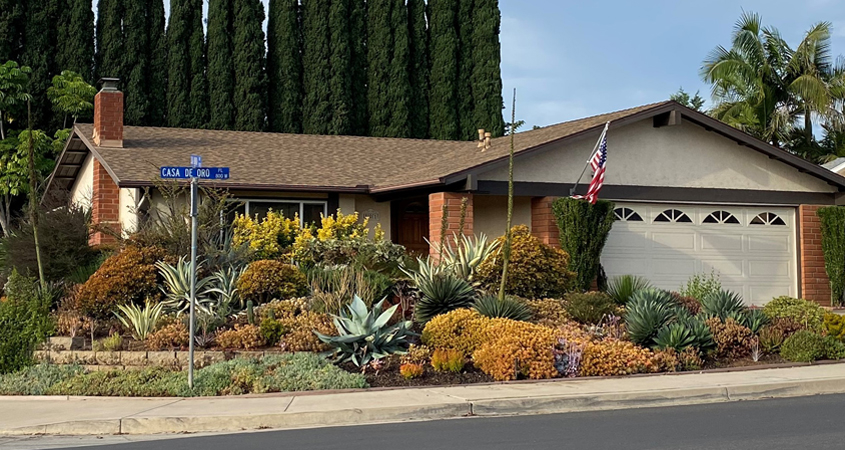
pixel 508 308
pixel 469 253
pixel 365 336
pixel 223 286
pixel 177 285
pixel 141 322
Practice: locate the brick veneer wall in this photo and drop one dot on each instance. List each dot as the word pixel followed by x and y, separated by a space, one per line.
pixel 452 200
pixel 105 206
pixel 543 222
pixel 815 285
pixel 108 119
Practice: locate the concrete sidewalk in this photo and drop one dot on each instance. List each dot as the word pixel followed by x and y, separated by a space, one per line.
pixel 100 416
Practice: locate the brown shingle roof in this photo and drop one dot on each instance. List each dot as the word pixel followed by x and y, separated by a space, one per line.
pixel 274 160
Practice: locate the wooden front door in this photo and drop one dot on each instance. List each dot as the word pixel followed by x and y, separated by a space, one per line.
pixel 410 224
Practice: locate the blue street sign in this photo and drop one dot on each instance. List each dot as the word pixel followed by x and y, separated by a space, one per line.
pixel 196 161
pixel 207 173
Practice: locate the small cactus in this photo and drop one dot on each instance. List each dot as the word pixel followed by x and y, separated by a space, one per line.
pixel 250 312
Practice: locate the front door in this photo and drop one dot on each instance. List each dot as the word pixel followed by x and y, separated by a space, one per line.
pixel 410 224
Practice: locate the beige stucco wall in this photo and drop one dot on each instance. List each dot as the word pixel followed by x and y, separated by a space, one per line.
pixel 377 212
pixel 128 213
pixel 491 214
pixel 82 191
pixel 675 156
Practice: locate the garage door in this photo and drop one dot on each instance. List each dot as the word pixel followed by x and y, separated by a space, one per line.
pixel 752 249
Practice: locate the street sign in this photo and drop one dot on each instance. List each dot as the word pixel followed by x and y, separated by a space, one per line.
pixel 196 161
pixel 205 173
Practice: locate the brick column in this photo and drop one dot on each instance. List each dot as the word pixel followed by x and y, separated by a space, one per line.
pixel 105 206
pixel 815 285
pixel 543 222
pixel 450 204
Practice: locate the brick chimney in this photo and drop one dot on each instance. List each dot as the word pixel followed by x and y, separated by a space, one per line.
pixel 108 115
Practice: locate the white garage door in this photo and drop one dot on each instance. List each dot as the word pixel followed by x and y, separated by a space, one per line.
pixel 752 249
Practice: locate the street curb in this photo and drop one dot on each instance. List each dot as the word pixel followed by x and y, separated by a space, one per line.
pixel 134 425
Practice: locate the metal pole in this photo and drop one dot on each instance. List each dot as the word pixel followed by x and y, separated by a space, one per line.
pixel 595 148
pixel 194 201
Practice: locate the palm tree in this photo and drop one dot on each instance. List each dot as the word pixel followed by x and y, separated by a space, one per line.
pixel 762 86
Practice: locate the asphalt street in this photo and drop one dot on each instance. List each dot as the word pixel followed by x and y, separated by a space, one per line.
pixel 796 423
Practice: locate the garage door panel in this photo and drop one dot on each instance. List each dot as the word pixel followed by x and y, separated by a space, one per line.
pixel 757 261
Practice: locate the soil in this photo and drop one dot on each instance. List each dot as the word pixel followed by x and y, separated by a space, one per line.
pixel 745 362
pixel 389 376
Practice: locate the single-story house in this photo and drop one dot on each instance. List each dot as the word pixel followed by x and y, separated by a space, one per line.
pixel 692 194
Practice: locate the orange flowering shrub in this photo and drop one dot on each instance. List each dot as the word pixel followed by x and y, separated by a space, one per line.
pixel 460 329
pixel 410 370
pixel 447 360
pixel 171 336
pixel 521 351
pixel 610 357
pixel 127 277
pixel 243 336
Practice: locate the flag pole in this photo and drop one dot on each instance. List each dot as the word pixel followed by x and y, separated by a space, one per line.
pixel 596 147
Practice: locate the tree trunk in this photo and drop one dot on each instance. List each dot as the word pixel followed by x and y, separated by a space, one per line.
pixel 5 215
pixel 808 125
pixel 33 199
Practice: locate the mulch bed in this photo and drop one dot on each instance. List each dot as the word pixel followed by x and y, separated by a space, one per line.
pixel 745 362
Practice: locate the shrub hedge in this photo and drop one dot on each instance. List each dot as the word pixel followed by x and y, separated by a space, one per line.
pixel 270 280
pixel 832 220
pixel 584 228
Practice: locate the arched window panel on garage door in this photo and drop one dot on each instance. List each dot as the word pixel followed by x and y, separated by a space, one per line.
pixel 627 215
pixel 673 216
pixel 768 218
pixel 721 217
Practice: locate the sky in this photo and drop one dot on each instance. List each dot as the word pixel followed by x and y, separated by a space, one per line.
pixel 575 58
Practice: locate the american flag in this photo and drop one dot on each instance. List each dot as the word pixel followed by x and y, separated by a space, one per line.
pixel 598 163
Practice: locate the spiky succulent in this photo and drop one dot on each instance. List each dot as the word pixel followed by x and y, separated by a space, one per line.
pixel 648 311
pixel 365 336
pixel 722 304
pixel 442 293
pixel 675 335
pixel 621 288
pixel 754 319
pixel 141 322
pixel 507 308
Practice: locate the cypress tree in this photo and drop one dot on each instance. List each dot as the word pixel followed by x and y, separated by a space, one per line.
pixel 39 53
pixel 250 82
pixel 400 83
pixel 316 68
pixel 158 63
pixel 11 32
pixel 137 52
pixel 179 64
pixel 486 74
pixel 468 129
pixel 358 33
pixel 221 69
pixel 379 56
pixel 76 39
pixel 284 67
pixel 418 70
pixel 199 82
pixel 340 83
pixel 110 42
pixel 443 47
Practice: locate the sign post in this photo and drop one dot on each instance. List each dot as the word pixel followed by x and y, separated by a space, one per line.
pixel 194 173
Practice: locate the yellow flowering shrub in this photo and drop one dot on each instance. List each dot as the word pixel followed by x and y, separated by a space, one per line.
pixel 242 337
pixel 548 311
pixel 517 349
pixel 342 226
pixel 460 329
pixel 270 237
pixel 610 357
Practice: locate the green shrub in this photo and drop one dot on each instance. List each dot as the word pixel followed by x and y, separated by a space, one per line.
pixel 584 228
pixel 833 348
pixel 24 322
pixel 269 280
pixel 722 304
pixel 832 220
pixel 442 293
pixel 621 288
pixel 507 308
pixel 127 277
pixel 589 307
pixel 536 270
pixel 808 314
pixel 647 312
pixel 35 380
pixel 701 285
pixel 272 330
pixel 834 325
pixel 113 343
pixel 803 346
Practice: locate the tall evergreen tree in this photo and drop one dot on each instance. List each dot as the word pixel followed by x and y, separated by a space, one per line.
pixel 11 30
pixel 179 64
pixel 400 82
pixel 221 68
pixel 389 84
pixel 316 67
pixel 137 59
pixel 76 38
pixel 110 42
pixel 284 67
pixel 158 63
pixel 199 81
pixel 39 53
pixel 443 48
pixel 340 83
pixel 418 69
pixel 358 33
pixel 486 68
pixel 468 128
pixel 250 81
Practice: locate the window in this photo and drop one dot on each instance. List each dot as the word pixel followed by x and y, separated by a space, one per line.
pixel 308 211
pixel 627 215
pixel 767 218
pixel 721 217
pixel 673 216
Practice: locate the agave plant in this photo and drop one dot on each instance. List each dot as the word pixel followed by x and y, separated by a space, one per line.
pixel 754 319
pixel 365 336
pixel 621 288
pixel 723 304
pixel 141 322
pixel 675 335
pixel 442 293
pixel 648 311
pixel 425 272
pixel 469 253
pixel 222 285
pixel 507 308
pixel 177 285
pixel 702 334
